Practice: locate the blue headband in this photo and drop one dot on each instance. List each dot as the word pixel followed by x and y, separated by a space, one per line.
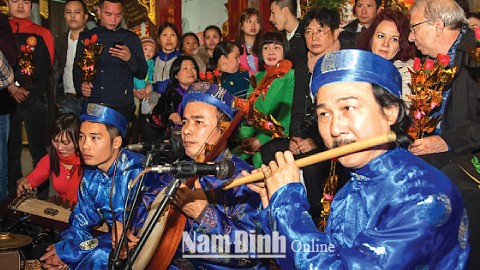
pixel 356 66
pixel 210 94
pixel 101 114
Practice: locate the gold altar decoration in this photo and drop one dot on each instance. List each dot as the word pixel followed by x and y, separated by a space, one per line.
pixel 428 82
pixel 91 52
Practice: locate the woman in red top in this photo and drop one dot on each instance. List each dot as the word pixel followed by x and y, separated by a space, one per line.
pixel 62 162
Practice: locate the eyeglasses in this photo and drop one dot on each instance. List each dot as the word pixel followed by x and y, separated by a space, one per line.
pixel 320 33
pixel 412 26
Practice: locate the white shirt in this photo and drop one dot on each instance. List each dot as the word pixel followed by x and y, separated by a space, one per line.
pixel 68 70
pixel 290 34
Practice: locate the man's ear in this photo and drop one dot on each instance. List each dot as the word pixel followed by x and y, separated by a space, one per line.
pixel 117 142
pixel 98 10
pixel 336 33
pixel 391 113
pixel 439 26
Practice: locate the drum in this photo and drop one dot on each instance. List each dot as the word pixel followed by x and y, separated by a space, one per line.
pixel 152 242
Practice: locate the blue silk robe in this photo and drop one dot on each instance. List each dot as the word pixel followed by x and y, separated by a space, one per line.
pixel 77 247
pixel 229 211
pixel 397 212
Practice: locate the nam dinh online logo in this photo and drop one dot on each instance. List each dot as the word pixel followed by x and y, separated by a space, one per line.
pixel 246 245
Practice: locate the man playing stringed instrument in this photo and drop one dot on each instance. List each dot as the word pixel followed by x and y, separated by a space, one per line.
pixel 210 211
pixel 103 191
pixel 397 211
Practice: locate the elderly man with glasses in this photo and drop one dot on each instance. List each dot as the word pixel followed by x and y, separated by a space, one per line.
pixel 440 27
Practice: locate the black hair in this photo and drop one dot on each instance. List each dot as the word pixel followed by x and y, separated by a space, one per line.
pixel 84 6
pixel 246 14
pixel 182 39
pixel 378 2
pixel 164 26
pixel 177 65
pixel 290 4
pixel 113 131
pixel 324 17
pixel 276 38
pixel 214 27
pixel 100 2
pixel 223 48
pixel 67 124
pixel 386 100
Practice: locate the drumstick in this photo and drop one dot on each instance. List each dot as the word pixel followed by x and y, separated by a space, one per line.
pixel 326 155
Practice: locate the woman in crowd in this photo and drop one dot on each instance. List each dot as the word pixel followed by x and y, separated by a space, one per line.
pixel 387 36
pixel 212 35
pixel 189 43
pixel 226 60
pixel 168 42
pixel 62 161
pixel 276 100
pixel 167 113
pixel 248 40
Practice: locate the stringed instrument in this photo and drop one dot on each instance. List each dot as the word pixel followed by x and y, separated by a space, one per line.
pixel 175 220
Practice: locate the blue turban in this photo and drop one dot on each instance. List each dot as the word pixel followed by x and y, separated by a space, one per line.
pixel 211 94
pixel 101 114
pixel 356 66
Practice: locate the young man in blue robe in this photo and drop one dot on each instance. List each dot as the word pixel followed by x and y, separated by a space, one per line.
pixel 106 183
pixel 397 211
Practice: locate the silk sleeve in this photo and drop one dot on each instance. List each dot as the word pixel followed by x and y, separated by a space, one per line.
pixel 82 220
pixel 399 241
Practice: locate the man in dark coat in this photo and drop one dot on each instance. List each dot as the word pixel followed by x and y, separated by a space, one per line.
pixel 366 11
pixel 439 27
pixel 75 14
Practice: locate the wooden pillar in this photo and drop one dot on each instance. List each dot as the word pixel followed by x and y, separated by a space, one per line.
pixel 169 11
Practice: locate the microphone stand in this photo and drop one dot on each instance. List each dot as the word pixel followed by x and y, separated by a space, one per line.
pixel 113 261
pixel 170 192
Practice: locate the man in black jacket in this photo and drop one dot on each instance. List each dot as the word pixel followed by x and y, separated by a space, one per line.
pixel 75 14
pixel 121 60
pixel 366 11
pixel 439 27
pixel 283 17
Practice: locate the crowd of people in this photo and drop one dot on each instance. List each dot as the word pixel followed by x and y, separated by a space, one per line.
pixel 402 204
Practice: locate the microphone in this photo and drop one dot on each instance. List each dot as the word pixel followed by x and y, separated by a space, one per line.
pixel 174 145
pixel 223 169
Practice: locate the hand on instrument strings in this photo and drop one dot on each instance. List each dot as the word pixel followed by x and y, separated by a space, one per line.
pixel 132 240
pixel 305 145
pixel 50 259
pixel 23 185
pixel 192 202
pixel 280 172
pixel 250 145
pixel 428 145
pixel 258 187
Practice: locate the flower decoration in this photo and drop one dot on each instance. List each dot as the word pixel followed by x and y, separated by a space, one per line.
pixel 91 52
pixel 211 77
pixel 428 82
pixel 26 58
